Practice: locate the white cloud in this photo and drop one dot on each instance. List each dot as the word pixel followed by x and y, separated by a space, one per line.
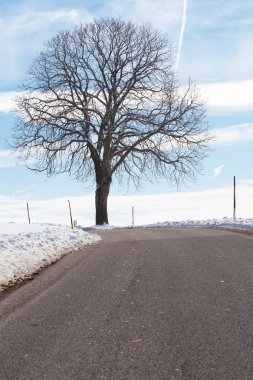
pixel 24 31
pixel 222 96
pixel 25 191
pixel 7 159
pixel 233 134
pixel 218 170
pixel 164 15
pixel 246 181
pixel 30 20
pixel 22 36
pixel 227 95
pixel 7 103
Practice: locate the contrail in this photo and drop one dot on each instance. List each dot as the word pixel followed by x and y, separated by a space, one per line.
pixel 181 34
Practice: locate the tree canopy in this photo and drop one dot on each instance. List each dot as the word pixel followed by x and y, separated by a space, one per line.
pixel 104 101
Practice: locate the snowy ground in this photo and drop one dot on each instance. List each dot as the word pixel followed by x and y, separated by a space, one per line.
pixel 239 223
pixel 24 249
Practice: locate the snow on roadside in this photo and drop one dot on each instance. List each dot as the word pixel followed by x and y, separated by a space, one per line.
pixel 239 223
pixel 24 249
pixel 101 227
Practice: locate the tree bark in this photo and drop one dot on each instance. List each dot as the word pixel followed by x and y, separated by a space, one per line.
pixel 102 192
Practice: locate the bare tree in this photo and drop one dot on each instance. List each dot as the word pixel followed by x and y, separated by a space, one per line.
pixel 103 101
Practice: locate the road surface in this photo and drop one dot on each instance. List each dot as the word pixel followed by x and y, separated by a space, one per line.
pixel 143 304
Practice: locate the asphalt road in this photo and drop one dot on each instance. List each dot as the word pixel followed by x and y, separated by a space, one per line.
pixel 142 304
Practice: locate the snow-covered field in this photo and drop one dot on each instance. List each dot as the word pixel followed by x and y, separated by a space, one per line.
pixel 24 249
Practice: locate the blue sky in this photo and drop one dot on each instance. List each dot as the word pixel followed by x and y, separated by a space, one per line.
pixel 215 51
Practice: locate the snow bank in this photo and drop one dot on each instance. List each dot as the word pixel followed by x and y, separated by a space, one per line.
pixel 239 223
pixel 101 227
pixel 24 249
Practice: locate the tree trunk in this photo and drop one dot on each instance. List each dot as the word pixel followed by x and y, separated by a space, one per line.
pixel 102 193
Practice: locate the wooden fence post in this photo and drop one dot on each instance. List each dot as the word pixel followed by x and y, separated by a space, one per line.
pixel 28 213
pixel 234 212
pixel 70 214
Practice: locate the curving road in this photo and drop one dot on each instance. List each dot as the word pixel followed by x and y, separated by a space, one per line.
pixel 143 304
